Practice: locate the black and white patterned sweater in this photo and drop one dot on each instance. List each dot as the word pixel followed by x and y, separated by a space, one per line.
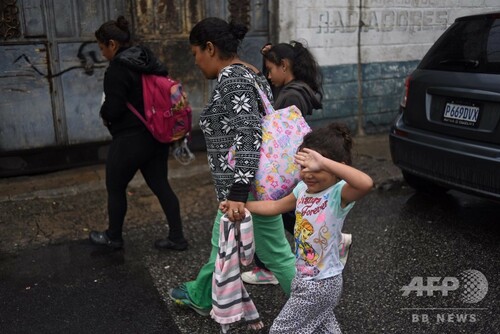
pixel 233 117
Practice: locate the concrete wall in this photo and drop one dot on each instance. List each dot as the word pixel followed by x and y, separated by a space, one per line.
pixel 364 69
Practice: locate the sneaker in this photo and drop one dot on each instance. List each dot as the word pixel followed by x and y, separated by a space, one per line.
pixel 259 276
pixel 180 296
pixel 344 247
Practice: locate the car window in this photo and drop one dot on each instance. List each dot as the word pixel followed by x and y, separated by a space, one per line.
pixel 493 47
pixel 467 46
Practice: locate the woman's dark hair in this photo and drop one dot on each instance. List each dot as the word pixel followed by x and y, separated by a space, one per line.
pixel 114 30
pixel 225 36
pixel 333 141
pixel 304 66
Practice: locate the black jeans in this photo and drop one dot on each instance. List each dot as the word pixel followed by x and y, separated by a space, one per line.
pixel 288 223
pixel 128 154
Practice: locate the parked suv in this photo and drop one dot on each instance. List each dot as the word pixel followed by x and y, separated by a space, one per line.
pixel 447 134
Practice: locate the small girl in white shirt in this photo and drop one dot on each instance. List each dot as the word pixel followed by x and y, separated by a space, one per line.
pixel 327 192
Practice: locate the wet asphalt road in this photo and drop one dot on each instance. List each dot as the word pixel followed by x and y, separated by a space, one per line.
pixel 74 288
pixel 397 235
pixel 53 281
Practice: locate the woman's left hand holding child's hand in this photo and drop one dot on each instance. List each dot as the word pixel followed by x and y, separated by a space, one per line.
pixel 235 211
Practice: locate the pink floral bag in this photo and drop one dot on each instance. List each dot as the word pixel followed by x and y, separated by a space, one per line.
pixel 282 134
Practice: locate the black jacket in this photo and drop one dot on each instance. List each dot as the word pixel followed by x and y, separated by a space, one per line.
pixel 122 84
pixel 298 93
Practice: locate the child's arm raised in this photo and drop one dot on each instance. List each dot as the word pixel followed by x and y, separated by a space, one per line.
pixel 271 208
pixel 358 183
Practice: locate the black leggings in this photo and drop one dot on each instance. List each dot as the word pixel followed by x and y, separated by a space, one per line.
pixel 289 224
pixel 128 154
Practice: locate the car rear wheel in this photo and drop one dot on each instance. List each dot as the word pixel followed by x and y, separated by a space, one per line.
pixel 423 185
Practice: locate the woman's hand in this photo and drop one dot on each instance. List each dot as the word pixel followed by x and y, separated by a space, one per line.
pixel 235 211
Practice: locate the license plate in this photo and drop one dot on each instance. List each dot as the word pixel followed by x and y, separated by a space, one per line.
pixel 461 114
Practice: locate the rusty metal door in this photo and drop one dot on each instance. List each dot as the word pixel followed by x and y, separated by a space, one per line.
pixel 253 13
pixel 51 70
pixel 51 83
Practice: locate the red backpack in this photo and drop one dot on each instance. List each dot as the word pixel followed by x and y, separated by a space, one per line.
pixel 167 112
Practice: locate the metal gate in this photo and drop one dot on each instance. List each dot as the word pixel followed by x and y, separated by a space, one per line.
pixel 52 71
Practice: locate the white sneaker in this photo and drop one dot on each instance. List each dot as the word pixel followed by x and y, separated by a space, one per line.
pixel 259 276
pixel 344 247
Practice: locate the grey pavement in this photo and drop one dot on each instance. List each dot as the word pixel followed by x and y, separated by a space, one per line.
pixel 371 154
pixel 49 270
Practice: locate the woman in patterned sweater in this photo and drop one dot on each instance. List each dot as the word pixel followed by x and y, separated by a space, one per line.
pixel 232 116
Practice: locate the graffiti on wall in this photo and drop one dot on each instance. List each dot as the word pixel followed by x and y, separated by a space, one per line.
pixel 383 20
pixel 373 30
pixel 384 16
pixel 87 57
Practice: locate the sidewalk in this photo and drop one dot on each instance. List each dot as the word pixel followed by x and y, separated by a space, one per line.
pixel 81 180
pixel 371 154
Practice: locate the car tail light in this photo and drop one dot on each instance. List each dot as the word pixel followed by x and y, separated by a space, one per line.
pixel 407 89
pixel 400 133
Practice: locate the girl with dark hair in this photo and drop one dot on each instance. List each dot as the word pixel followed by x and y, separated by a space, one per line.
pixel 132 147
pixel 322 200
pixel 232 117
pixel 297 79
pixel 292 68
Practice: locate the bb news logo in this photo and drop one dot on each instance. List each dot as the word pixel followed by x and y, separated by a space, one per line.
pixel 470 286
